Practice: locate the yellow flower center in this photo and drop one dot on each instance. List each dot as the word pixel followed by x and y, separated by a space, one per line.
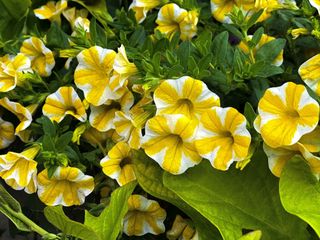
pixel 71 109
pixel 185 102
pixel 228 134
pixel 125 161
pixel 292 113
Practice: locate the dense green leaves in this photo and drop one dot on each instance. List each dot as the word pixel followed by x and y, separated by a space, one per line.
pixel 108 224
pixel 300 192
pixel 237 200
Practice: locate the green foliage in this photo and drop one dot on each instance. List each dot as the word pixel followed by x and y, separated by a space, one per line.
pixel 300 192
pixel 108 224
pixel 56 38
pixel 236 200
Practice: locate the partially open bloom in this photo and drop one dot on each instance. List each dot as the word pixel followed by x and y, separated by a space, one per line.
pixel 42 60
pixel 118 164
pixel 101 117
pixel 19 170
pixel 299 31
pixel 65 101
pixel 172 19
pixel 52 10
pixel 169 140
pixel 68 186
pixel 94 76
pixel 181 230
pixel 96 138
pixel 309 72
pixel 10 68
pixel 263 40
pixel 122 66
pixel 6 133
pixel 186 96
pixel 23 114
pixel 71 14
pixel 286 113
pixel 306 147
pixel 222 137
pixel 143 216
pixel 142 7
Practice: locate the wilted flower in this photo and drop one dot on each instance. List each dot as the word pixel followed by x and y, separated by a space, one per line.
pixel 6 133
pixel 143 216
pixel 299 31
pixel 181 230
pixel 19 170
pixel 118 164
pixel 142 7
pixel 42 60
pixel 222 137
pixel 68 186
pixel 65 101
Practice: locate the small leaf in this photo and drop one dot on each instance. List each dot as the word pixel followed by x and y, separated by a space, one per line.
pixel 56 38
pixel 97 34
pixel 254 17
pixel 269 51
pixel 57 218
pixel 233 30
pixel 108 224
pixel 220 44
pixel 257 36
pixel 63 141
pixel 249 113
pixel 300 192
pixel 48 143
pixel 264 70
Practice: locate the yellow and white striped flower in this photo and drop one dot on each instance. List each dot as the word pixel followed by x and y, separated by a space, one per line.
pixel 19 170
pixel 10 68
pixel 23 114
pixel 52 10
pixel 71 14
pixel 286 113
pixel 142 7
pixel 306 147
pixel 169 140
pixel 101 117
pixel 122 66
pixel 309 72
pixel 143 216
pixel 172 19
pixel 186 96
pixel 315 4
pixel 42 60
pixel 68 186
pixel 65 101
pixel 6 133
pixel 96 138
pixel 182 230
pixel 263 40
pixel 118 164
pixel 222 137
pixel 94 75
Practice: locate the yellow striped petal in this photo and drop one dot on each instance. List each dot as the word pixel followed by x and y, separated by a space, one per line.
pixel 51 10
pixel 41 57
pixel 122 65
pixel 143 216
pixel 222 137
pixel 169 140
pixel 68 186
pixel 286 113
pixel 309 72
pixel 65 101
pixel 6 133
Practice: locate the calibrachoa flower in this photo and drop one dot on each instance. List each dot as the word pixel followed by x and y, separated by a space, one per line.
pixel 101 117
pixel 6 133
pixel 42 60
pixel 222 137
pixel 309 72
pixel 143 216
pixel 10 68
pixel 71 14
pixel 118 164
pixel 181 230
pixel 186 96
pixel 68 186
pixel 172 19
pixel 52 10
pixel 19 170
pixel 315 4
pixel 286 113
pixel 169 140
pixel 263 40
pixel 122 66
pixel 94 77
pixel 65 101
pixel 142 7
pixel 23 114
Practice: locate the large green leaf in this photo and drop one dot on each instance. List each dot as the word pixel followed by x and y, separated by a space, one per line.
pixel 108 224
pixel 57 217
pixel 300 192
pixel 237 200
pixel 150 175
pixel 11 208
pixel 12 17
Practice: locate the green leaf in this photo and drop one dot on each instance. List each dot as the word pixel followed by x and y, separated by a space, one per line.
pixel 264 70
pixel 254 235
pixel 253 19
pixel 56 38
pixel 220 44
pixel 97 34
pixel 63 141
pixel 11 207
pixel 48 143
pixel 57 218
pixel 237 200
pixel 269 51
pixel 108 224
pixel 150 178
pixel 300 192
pixel 257 36
pixel 47 126
pixel 183 53
pixel 12 17
pixel 249 113
pixel 233 30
